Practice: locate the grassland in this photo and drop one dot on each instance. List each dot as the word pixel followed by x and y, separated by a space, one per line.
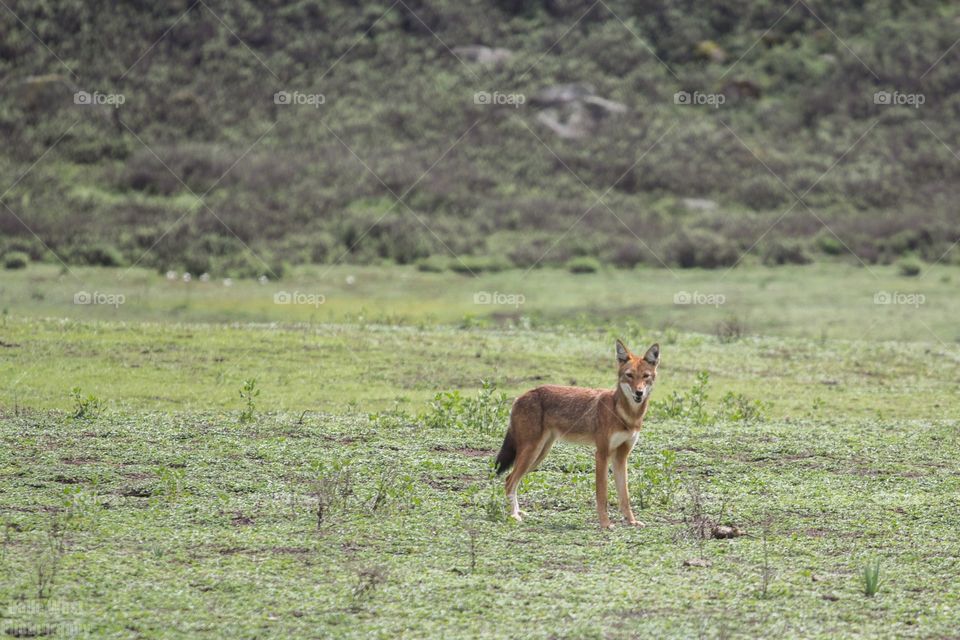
pixel 820 301
pixel 161 511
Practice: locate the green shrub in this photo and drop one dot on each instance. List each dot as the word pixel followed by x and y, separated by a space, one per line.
pixel 909 267
pixel 700 248
pixel 583 264
pixel 324 248
pixel 780 252
pixel 829 243
pixel 101 256
pixel 762 193
pixel 478 264
pixel 433 264
pixel 487 413
pixel 16 260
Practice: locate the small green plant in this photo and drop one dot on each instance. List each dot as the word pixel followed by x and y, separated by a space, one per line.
pixel 392 419
pixel 444 410
pixel 871 578
pixel 489 410
pixel 171 481
pixel 368 580
pixel 85 407
pixel 79 505
pixel 486 413
pixel 487 496
pixel 690 406
pixel 736 407
pixel 49 558
pixel 494 502
pixel 334 488
pixel 473 539
pixel 393 489
pixel 249 393
pixel 659 482
pixel 766 570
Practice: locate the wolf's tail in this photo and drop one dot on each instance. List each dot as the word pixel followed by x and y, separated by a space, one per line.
pixel 508 453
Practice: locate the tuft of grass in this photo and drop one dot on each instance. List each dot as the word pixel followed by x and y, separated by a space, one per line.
pixel 870 575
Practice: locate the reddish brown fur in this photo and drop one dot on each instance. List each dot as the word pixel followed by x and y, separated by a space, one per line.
pixel 608 419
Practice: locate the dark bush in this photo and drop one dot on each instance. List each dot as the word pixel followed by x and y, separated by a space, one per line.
pixel 101 255
pixel 762 193
pixel 909 267
pixel 780 252
pixel 700 248
pixel 16 260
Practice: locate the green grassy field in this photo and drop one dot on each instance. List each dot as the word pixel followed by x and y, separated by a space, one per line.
pixel 821 301
pixel 349 502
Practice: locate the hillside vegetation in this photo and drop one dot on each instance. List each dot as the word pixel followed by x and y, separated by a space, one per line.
pixel 689 129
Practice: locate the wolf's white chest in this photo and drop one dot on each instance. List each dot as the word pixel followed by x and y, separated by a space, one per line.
pixel 620 437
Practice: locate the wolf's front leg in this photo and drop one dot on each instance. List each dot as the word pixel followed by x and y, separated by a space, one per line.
pixel 620 457
pixel 602 469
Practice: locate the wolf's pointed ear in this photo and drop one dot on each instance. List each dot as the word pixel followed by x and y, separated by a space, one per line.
pixel 652 355
pixel 623 354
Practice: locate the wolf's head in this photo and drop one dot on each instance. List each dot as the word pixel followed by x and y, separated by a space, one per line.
pixel 637 373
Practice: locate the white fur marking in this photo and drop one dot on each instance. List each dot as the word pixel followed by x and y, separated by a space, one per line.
pixel 620 437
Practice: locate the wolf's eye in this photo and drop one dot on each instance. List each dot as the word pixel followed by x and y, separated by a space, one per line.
pixel 630 374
